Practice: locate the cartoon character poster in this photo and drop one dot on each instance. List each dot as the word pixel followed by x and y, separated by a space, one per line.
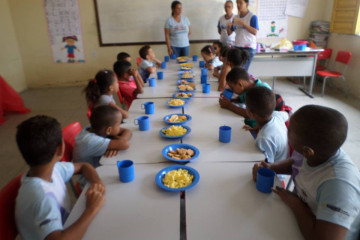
pixel 64 29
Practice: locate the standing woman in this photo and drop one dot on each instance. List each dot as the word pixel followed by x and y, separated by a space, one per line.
pixel 224 21
pixel 246 26
pixel 177 31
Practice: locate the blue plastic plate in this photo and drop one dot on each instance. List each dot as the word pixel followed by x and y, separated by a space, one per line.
pixel 175 137
pixel 172 106
pixel 161 174
pixel 173 147
pixel 177 88
pixel 166 119
pixel 186 99
pixel 178 82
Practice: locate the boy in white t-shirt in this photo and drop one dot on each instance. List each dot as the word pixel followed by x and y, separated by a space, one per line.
pixel 43 204
pixel 326 199
pixel 148 63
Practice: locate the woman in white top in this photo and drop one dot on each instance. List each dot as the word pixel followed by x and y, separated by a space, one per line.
pixel 223 23
pixel 246 26
pixel 177 31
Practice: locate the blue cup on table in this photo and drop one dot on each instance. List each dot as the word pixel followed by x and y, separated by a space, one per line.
pixel 204 71
pixel 126 170
pixel 204 79
pixel 166 58
pixel 160 75
pixel 173 56
pixel 149 107
pixel 194 58
pixel 163 65
pixel 228 93
pixel 201 64
pixel 225 134
pixel 265 180
pixel 152 82
pixel 143 122
pixel 206 88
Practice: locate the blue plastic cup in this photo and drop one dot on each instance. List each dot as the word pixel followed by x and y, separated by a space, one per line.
pixel 228 93
pixel 163 65
pixel 204 71
pixel 206 88
pixel 265 180
pixel 143 122
pixel 173 56
pixel 194 58
pixel 204 79
pixel 160 75
pixel 201 64
pixel 166 58
pixel 126 170
pixel 149 107
pixel 152 82
pixel 225 134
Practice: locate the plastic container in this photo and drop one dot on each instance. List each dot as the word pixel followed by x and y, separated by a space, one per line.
pixel 299 45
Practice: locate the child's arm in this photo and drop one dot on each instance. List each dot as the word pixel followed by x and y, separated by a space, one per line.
pixel 226 103
pixel 216 72
pixel 88 172
pixel 121 142
pixel 151 69
pixel 123 112
pixel 138 81
pixel 222 78
pixel 157 61
pixel 95 198
pixel 138 77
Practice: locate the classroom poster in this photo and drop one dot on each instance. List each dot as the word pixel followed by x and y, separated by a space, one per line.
pixel 272 19
pixel 64 30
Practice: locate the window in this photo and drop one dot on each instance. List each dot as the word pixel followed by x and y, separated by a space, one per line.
pixel 345 17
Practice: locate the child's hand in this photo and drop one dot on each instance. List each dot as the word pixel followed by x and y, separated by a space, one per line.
pixel 256 167
pixel 289 198
pixel 111 153
pixel 224 102
pixel 95 198
pixel 132 71
pixel 247 128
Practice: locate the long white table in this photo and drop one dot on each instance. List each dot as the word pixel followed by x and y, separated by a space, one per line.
pixel 226 205
pixel 135 210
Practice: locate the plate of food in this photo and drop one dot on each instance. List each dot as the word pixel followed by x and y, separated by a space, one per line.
pixel 177 178
pixel 175 131
pixel 186 95
pixel 180 152
pixel 187 76
pixel 184 87
pixel 182 59
pixel 176 103
pixel 186 66
pixel 185 82
pixel 177 119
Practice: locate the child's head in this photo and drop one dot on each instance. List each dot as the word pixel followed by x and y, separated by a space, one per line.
pixel 260 103
pixel 223 54
pixel 105 82
pixel 105 120
pixel 123 56
pixel 208 53
pixel 217 45
pixel 317 132
pixel 237 57
pixel 146 52
pixel 237 79
pixel 121 68
pixel 40 140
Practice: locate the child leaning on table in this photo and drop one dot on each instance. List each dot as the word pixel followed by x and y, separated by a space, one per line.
pixel 124 56
pixel 130 82
pixel 271 138
pixel 209 55
pixel 103 137
pixel 100 90
pixel 43 203
pixel 224 69
pixel 148 63
pixel 326 198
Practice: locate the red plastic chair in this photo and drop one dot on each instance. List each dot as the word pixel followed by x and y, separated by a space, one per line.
pixel 121 99
pixel 342 57
pixel 138 61
pixel 325 56
pixel 7 214
pixel 69 134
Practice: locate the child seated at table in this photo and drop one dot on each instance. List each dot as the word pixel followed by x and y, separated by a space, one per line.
pixel 237 57
pixel 224 70
pixel 211 60
pixel 100 90
pixel 43 203
pixel 104 136
pixel 271 138
pixel 326 198
pixel 130 83
pixel 148 63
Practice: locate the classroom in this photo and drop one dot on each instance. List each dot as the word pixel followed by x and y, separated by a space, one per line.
pixel 140 101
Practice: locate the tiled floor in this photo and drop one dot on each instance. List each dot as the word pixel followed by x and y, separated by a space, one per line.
pixel 67 104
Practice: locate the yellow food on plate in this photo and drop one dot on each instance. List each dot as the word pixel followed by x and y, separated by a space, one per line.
pixel 181 153
pixel 183 87
pixel 176 102
pixel 174 131
pixel 185 68
pixel 177 118
pixel 187 76
pixel 177 178
pixel 186 65
pixel 183 95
